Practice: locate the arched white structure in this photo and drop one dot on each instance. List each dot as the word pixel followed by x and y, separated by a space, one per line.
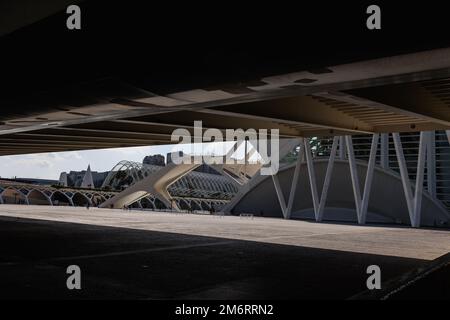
pixel 60 198
pixel 80 199
pixel 171 181
pixel 10 192
pixel 44 199
pixel 155 184
pixel 44 195
pixel 312 193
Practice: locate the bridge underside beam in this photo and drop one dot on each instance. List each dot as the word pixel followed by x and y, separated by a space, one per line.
pixel 362 111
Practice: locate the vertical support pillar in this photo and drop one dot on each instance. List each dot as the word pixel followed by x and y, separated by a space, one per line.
pixel 362 203
pixel 319 204
pixel 327 181
pixel 295 179
pixel 280 195
pixel 245 156
pixel 414 202
pixel 448 135
pixel 384 151
pixel 312 178
pixel 354 175
pixel 403 173
pixel 342 148
pixel 424 139
pixel 286 210
pixel 369 178
pixel 431 163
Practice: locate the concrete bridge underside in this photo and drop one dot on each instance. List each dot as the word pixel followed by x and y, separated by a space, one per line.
pixel 406 93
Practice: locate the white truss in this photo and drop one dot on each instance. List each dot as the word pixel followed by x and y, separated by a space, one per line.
pixel 426 156
pixel 414 202
pixel 362 203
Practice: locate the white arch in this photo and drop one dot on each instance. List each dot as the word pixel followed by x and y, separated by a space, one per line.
pixel 81 194
pixel 208 205
pixel 99 195
pixel 156 184
pixel 65 195
pixel 16 190
pixel 41 192
pixel 197 202
pixel 388 202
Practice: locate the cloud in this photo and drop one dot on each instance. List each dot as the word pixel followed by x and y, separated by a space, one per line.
pixel 50 165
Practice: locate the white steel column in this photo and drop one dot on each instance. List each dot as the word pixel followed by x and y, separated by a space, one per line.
pixel 354 176
pixel 414 202
pixel 319 204
pixel 280 195
pixel 362 204
pixel 423 145
pixel 245 156
pixel 431 163
pixel 295 179
pixel 384 151
pixel 286 210
pixel 327 181
pixel 312 178
pixel 448 135
pixel 404 173
pixel 342 147
pixel 369 177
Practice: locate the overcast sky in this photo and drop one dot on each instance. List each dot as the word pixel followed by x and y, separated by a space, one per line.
pixel 50 165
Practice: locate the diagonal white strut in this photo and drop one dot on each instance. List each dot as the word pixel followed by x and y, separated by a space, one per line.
pixel 280 195
pixel 431 164
pixel 414 202
pixel 319 205
pixel 287 209
pixel 384 150
pixel 295 179
pixel 362 203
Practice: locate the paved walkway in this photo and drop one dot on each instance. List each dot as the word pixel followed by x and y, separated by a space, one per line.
pixel 144 255
pixel 383 240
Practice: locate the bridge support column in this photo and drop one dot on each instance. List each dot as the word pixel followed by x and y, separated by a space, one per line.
pixel 319 204
pixel 448 135
pixel 414 202
pixel 362 203
pixel 384 151
pixel 287 209
pixel 431 164
pixel 294 185
pixel 342 148
pixel 280 195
